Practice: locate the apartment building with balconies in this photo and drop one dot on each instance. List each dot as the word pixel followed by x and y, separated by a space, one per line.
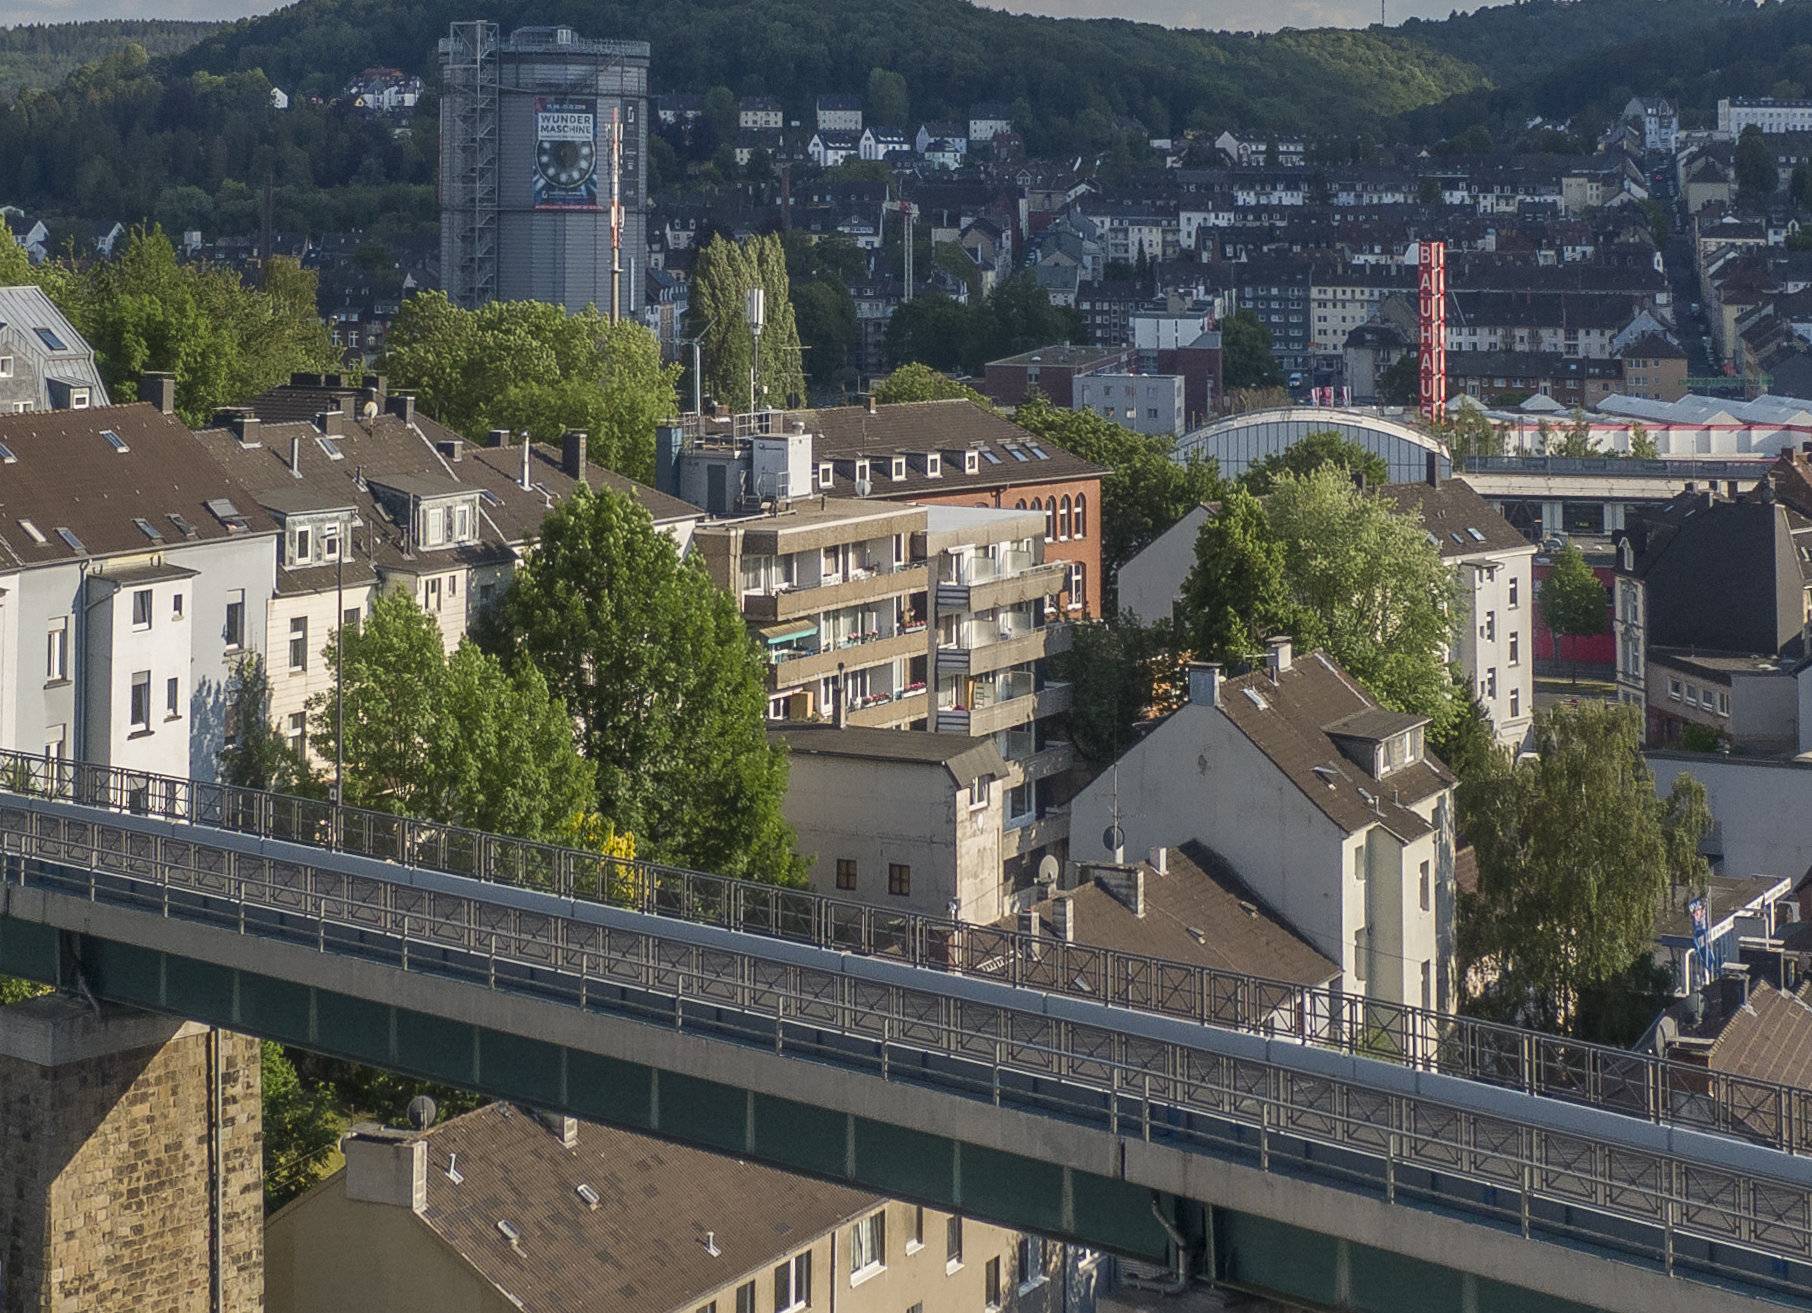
pixel 995 619
pixel 837 599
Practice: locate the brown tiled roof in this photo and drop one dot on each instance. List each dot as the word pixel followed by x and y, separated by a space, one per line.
pixel 64 474
pixel 642 1249
pixel 1286 721
pixel 1769 1038
pixel 1452 513
pixel 949 427
pixel 496 467
pixel 1198 911
pixel 1791 475
pixel 1466 870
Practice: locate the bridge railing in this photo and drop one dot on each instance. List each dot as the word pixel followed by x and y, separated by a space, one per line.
pixel 1637 1084
pixel 1722 1218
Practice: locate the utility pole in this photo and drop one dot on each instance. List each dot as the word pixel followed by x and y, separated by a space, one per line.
pixel 755 309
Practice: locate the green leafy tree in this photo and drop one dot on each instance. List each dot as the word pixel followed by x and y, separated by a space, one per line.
pixel 449 738
pixel 1246 359
pixel 1800 188
pixel 1467 744
pixel 1576 441
pixel 917 382
pixel 529 366
pixel 722 276
pixel 887 102
pixel 666 688
pixel 1468 433
pixel 1572 599
pixel 1369 587
pixel 301 1129
pixel 1146 488
pixel 1314 451
pixel 256 756
pixel 1236 595
pixel 1114 666
pixel 1642 444
pixel 1401 383
pixel 14 990
pixel 1756 173
pixel 1577 858
pixel 826 315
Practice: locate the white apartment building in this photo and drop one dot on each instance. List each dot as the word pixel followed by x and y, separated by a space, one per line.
pixel 1323 803
pixel 1764 112
pixel 1494 627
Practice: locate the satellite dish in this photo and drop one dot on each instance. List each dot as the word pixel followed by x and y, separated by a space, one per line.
pixel 422 1112
pixel 864 487
pixel 369 410
pixel 1113 838
pixel 1047 869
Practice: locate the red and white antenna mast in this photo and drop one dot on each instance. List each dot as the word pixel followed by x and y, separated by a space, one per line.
pixel 616 215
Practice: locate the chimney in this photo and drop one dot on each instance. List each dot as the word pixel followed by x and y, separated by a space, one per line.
pixel 386 1166
pixel 1160 860
pixel 1277 656
pixel 1063 917
pixel 873 405
pixel 241 422
pixel 452 448
pixel 564 1129
pixel 1434 469
pixel 1126 883
pixel 160 390
pixel 1028 926
pixel 527 482
pixel 332 423
pixel 572 453
pixel 1205 683
pixel 497 438
pixel 840 713
pixel 402 405
pixel 295 457
pixel 1736 985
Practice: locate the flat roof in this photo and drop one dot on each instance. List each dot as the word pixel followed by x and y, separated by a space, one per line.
pixel 1062 355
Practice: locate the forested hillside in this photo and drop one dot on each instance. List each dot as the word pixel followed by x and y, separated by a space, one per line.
pixel 43 54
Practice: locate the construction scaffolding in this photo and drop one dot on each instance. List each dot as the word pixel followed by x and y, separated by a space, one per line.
pixel 469 152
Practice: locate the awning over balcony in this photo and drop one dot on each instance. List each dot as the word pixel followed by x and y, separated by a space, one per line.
pixel 774 635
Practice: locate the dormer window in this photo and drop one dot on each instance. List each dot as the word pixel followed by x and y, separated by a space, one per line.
pixel 971 461
pixel 898 470
pixel 826 475
pixel 6 366
pixel 934 465
pixel 862 470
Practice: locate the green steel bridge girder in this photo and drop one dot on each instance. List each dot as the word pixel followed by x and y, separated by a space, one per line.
pixel 1240 1249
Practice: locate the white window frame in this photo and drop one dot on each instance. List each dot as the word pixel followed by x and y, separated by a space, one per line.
pixel 173 698
pixel 143 605
pixel 868 1247
pixel 138 718
pixel 234 640
pixel 56 651
pixel 298 634
pixel 799 1274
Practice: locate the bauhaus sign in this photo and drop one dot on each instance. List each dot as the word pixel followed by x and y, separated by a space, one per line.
pixel 1431 356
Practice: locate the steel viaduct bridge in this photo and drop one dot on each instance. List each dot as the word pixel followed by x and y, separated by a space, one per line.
pixel 1320 1147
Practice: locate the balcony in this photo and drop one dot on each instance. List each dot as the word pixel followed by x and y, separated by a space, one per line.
pixel 1011 647
pixel 1054 699
pixel 888 711
pixel 862 586
pixel 1052 827
pixel 1053 759
pixel 793 666
pixel 990 584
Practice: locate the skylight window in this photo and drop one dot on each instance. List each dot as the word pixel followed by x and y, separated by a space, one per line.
pixel 1039 451
pixel 1477 537
pixel 331 446
pixel 182 524
pixel 1017 454
pixel 71 541
pixel 989 456
pixel 50 339
pixel 33 532
pixel 6 455
pixel 1252 695
pixel 147 528
pixel 222 509
pixel 114 440
pixel 489 498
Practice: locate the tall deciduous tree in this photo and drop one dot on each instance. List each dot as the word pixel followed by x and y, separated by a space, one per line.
pixel 657 668
pixel 887 102
pixel 722 277
pixel 1369 587
pixel 1246 359
pixel 450 738
pixel 1577 858
pixel 530 366
pixel 1756 173
pixel 256 757
pixel 1146 489
pixel 917 382
pixel 1237 595
pixel 1571 598
pixel 300 1127
pixel 1114 667
pixel 1311 452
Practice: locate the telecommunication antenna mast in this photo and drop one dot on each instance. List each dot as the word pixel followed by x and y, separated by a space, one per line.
pixel 907 212
pixel 616 215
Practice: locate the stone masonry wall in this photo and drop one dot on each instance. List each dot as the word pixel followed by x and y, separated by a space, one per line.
pixel 104 1181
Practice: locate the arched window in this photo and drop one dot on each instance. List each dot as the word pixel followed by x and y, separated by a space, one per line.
pixel 1063 519
pixel 1037 503
pixel 1020 505
pixel 1050 520
pixel 1079 526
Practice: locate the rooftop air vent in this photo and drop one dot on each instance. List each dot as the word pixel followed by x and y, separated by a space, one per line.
pixel 453 1173
pixel 710 1244
pixel 1252 696
pixel 589 1195
pixel 509 1232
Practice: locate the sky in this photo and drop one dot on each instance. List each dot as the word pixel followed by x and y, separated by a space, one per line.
pixel 1242 15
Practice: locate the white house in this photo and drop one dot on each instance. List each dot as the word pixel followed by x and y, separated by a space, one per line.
pixel 828 149
pixel 988 121
pixel 876 143
pixel 1494 632
pixel 839 114
pixel 1323 803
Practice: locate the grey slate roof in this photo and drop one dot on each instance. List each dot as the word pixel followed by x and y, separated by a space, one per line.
pixel 964 757
pixel 1453 514
pixel 950 427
